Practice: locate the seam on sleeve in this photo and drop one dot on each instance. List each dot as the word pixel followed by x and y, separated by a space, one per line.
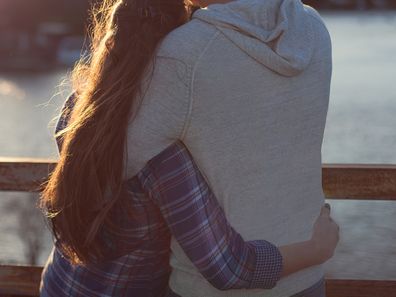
pixel 191 88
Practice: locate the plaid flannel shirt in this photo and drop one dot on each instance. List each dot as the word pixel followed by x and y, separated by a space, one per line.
pixel 168 197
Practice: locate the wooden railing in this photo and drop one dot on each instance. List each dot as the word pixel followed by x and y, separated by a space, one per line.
pixel 340 181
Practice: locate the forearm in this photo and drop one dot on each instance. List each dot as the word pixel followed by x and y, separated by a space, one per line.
pixel 198 223
pixel 298 256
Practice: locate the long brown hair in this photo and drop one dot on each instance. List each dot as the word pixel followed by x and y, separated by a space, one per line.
pixel 125 35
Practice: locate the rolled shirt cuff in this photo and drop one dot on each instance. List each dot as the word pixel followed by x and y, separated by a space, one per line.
pixel 269 265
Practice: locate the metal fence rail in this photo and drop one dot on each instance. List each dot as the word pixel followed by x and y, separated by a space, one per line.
pixel 340 181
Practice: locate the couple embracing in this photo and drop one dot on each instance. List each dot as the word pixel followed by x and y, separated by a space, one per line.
pixel 190 154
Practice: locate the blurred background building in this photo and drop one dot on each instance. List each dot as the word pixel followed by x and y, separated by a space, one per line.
pixel 39 34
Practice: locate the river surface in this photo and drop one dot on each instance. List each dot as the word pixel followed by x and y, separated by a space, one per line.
pixel 361 128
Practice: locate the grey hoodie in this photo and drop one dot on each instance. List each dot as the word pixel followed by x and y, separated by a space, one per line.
pixel 277 34
pixel 245 85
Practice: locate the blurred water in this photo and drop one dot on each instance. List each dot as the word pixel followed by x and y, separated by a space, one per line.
pixel 361 128
pixel 361 119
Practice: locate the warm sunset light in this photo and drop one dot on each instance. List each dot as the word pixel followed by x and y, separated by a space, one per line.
pixel 263 144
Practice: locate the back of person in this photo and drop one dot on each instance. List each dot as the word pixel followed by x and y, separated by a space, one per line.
pixel 251 107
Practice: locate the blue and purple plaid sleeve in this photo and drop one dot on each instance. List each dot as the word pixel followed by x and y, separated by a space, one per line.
pixel 64 118
pixel 198 223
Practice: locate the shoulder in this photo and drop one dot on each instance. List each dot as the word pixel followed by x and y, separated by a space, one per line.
pixel 319 28
pixel 314 14
pixel 187 42
pixel 175 59
pixel 316 19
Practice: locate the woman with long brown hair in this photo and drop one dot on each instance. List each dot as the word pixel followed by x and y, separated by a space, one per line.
pixel 125 181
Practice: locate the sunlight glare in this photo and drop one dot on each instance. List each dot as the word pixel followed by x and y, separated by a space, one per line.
pixel 10 89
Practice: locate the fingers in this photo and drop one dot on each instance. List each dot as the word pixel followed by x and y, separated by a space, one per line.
pixel 325 210
pixel 327 205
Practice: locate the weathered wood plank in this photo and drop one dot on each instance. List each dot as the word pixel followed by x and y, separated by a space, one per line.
pixel 24 175
pixel 340 181
pixel 359 181
pixel 25 280
pixel 360 288
pixel 20 280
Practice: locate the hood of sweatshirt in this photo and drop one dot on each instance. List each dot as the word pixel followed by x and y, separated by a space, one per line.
pixel 276 33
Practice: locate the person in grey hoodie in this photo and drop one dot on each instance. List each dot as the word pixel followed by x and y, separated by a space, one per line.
pixel 250 102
